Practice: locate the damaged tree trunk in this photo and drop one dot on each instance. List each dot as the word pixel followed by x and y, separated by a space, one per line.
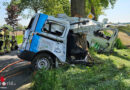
pixel 78 10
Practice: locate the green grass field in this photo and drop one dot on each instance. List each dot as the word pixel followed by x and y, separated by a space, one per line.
pixel 110 72
pixel 19 39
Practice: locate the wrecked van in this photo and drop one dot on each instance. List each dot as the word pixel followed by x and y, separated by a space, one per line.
pixel 49 41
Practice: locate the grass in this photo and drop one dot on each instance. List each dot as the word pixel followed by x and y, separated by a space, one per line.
pixel 19 39
pixel 110 72
pixel 119 44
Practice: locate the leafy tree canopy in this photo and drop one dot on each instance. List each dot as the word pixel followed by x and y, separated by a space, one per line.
pixel 53 7
pixel 96 7
pixel 50 7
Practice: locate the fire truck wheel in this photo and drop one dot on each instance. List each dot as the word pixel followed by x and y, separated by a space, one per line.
pixel 42 61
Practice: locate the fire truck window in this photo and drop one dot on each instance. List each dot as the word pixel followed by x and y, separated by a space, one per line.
pixel 53 28
pixel 30 24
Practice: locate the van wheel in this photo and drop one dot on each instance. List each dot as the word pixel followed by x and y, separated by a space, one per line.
pixel 42 60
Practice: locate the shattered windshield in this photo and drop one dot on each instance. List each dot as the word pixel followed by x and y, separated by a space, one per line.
pixel 106 34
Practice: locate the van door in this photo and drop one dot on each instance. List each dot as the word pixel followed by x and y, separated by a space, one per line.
pixel 27 35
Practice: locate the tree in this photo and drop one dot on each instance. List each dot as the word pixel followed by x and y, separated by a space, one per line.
pixel 82 8
pixel 8 26
pixel 96 7
pixel 35 5
pixel 20 27
pixel 66 6
pixel 50 7
pixel 12 12
pixel 78 8
pixel 92 6
pixel 54 7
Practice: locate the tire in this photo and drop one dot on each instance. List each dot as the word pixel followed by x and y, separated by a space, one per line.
pixel 42 60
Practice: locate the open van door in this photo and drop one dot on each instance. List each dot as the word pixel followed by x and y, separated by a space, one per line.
pixel 27 34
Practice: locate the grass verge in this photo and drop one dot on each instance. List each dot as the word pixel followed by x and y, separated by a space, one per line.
pixel 19 39
pixel 110 72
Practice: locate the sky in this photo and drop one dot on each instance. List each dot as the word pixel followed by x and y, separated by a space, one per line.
pixel 120 13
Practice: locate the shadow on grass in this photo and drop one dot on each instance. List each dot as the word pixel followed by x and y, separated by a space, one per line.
pixel 114 53
pixel 121 56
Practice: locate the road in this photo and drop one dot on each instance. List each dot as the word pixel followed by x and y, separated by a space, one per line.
pixel 17 75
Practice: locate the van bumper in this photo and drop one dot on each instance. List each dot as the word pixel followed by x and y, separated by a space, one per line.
pixel 26 55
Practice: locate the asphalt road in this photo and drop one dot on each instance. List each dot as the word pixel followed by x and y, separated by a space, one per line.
pixel 17 75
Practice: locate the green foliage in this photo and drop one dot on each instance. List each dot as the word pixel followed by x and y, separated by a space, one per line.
pixel 35 5
pixel 57 7
pixel 109 72
pixel 9 27
pixel 20 27
pixel 53 7
pixel 97 6
pixel 50 7
pixel 119 44
pixel 66 6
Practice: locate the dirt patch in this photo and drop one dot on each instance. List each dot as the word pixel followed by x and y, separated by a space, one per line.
pixel 125 38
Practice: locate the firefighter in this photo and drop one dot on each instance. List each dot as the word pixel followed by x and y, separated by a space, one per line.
pixel 14 45
pixel 7 39
pixel 1 42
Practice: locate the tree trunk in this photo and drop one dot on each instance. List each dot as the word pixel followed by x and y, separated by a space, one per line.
pixel 78 10
pixel 93 10
pixel 36 10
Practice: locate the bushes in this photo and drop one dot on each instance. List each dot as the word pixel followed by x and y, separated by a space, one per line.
pixel 119 44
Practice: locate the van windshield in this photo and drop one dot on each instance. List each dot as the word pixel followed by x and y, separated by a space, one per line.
pixel 106 34
pixel 30 24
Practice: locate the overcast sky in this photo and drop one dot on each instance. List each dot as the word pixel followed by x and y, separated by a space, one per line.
pixel 120 13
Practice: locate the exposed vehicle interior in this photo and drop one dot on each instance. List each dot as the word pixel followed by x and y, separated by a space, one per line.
pixel 103 34
pixel 73 49
pixel 53 28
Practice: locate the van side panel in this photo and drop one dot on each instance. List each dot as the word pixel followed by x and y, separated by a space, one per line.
pixel 36 38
